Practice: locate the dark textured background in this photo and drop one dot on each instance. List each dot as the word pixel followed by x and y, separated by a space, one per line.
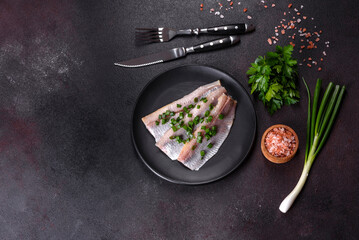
pixel 68 169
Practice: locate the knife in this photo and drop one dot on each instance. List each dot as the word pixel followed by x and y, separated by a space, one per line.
pixel 179 52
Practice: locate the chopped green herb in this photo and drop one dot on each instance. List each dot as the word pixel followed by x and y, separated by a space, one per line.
pixel 179 105
pixel 199 134
pixel 189 115
pixel 202 153
pixel 181 115
pixel 204 100
pixel 159 116
pixel 194 147
pixel 195 100
pixel 206 114
pixel 172 137
pixel 209 119
pixel 167 112
pixel 163 115
pixel 210 145
pixel 196 120
pixel 174 128
pixel 190 106
pixel 185 109
pixel 199 139
pixel 164 121
pixel 172 113
pixel 202 120
pixel 207 136
pixel 198 106
pixel 221 116
pixel 210 106
pixel 203 127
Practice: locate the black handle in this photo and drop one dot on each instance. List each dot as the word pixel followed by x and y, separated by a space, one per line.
pixel 215 44
pixel 228 29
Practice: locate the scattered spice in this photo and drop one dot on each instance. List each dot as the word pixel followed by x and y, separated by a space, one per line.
pixel 245 10
pixel 290 5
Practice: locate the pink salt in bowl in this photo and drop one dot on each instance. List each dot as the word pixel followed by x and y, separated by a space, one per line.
pixel 279 143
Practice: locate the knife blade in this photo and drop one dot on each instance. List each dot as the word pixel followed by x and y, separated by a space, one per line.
pixel 179 52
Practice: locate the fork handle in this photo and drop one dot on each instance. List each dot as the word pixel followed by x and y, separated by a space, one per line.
pixel 214 44
pixel 230 29
pixel 227 29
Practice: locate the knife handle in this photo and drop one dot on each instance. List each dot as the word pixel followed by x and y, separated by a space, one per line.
pixel 213 45
pixel 226 29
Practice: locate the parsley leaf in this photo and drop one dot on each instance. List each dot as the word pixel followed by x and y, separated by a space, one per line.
pixel 274 77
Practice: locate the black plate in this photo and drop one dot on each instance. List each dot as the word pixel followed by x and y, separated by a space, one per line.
pixel 172 85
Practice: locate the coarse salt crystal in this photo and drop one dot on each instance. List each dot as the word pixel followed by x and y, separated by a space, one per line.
pixel 221 16
pixel 249 17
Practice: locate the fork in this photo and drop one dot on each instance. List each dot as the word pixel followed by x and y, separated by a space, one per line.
pixel 163 34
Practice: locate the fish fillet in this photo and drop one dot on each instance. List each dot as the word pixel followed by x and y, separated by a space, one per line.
pixel 177 138
pixel 158 131
pixel 172 148
pixel 192 158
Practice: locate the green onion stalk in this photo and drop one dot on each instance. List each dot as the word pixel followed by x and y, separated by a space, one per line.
pixel 319 124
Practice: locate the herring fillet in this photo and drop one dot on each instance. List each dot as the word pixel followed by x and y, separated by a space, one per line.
pixel 158 131
pixel 171 147
pixel 192 158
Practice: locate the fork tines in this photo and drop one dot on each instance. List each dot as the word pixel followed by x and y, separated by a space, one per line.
pixel 148 35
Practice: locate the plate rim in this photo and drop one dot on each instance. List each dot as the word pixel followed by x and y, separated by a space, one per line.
pixel 186 182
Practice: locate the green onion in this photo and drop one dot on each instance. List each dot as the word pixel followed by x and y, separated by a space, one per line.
pixel 207 136
pixel 194 147
pixel 206 114
pixel 164 121
pixel 221 116
pixel 198 106
pixel 210 145
pixel 172 113
pixel 209 119
pixel 179 105
pixel 199 139
pixel 185 109
pixel 189 115
pixel 174 128
pixel 202 120
pixel 203 127
pixel 195 100
pixel 210 106
pixel 190 106
pixel 157 123
pixel 163 115
pixel 205 100
pixel 202 153
pixel 318 129
pixel 181 115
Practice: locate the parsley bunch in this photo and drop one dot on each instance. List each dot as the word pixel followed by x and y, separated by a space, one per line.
pixel 274 78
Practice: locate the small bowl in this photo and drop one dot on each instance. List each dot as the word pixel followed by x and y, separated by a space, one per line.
pixel 272 158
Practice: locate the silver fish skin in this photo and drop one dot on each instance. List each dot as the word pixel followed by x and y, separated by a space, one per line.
pixel 158 131
pixel 171 147
pixel 192 158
